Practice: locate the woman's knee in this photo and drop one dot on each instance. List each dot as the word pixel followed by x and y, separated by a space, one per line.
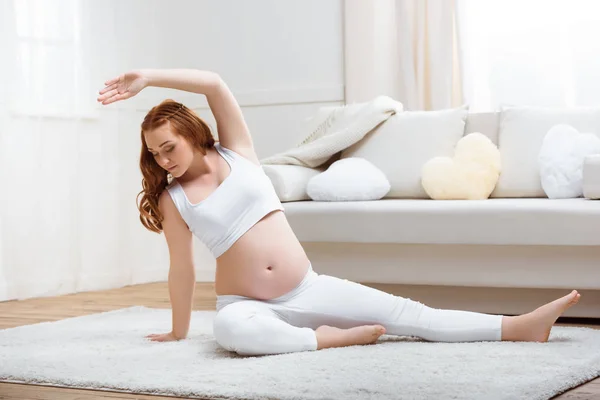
pixel 235 327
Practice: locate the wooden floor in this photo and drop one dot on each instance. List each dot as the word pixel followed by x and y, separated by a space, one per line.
pixel 17 313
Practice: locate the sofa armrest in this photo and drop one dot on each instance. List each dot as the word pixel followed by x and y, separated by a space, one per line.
pixel 591 177
pixel 290 181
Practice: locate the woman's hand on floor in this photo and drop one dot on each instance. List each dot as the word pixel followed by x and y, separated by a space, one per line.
pixel 122 87
pixel 162 337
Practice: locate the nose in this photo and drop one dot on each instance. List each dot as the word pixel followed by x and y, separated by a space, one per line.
pixel 165 162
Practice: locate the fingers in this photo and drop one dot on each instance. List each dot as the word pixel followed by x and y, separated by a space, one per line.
pixel 157 337
pixel 110 82
pixel 116 97
pixel 107 88
pixel 107 94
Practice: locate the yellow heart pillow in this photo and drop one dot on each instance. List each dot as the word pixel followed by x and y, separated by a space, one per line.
pixel 471 175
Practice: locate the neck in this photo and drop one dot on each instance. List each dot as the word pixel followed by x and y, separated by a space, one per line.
pixel 201 166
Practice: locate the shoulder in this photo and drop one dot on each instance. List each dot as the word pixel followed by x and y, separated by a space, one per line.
pixel 167 207
pixel 165 203
pixel 247 152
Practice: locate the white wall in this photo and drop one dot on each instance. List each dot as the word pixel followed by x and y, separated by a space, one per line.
pixel 69 222
pixel 282 59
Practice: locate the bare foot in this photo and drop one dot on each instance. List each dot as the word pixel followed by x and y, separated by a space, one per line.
pixel 536 325
pixel 328 336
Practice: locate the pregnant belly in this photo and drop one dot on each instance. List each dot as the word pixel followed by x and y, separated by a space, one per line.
pixel 266 262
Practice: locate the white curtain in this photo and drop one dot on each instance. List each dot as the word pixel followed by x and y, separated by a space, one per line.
pixel 433 54
pixel 68 220
pixel 530 52
pixel 406 49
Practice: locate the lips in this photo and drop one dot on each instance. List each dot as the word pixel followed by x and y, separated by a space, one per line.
pixel 172 168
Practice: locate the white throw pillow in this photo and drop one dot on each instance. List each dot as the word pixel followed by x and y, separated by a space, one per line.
pixel 350 179
pixel 471 175
pixel 522 130
pixel 561 160
pixel 401 145
pixel 591 177
pixel 289 181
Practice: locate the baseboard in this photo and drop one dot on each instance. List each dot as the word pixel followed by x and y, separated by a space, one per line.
pixel 50 286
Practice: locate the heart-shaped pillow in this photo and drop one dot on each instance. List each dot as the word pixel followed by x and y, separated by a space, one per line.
pixel 349 179
pixel 471 175
pixel 561 160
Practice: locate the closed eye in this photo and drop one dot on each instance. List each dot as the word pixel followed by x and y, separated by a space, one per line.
pixel 168 151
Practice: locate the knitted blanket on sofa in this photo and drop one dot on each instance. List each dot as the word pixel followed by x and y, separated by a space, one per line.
pixel 334 129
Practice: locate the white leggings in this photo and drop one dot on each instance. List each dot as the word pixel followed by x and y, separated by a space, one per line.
pixel 287 324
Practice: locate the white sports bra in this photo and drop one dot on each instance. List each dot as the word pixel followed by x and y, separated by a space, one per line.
pixel 240 201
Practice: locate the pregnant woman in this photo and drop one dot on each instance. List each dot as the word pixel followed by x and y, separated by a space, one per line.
pixel 269 298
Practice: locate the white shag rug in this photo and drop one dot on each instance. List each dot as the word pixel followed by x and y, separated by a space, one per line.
pixel 108 351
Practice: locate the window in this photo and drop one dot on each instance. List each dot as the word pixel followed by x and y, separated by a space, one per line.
pixel 49 72
pixel 530 52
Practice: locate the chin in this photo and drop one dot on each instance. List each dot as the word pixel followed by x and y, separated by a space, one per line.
pixel 176 173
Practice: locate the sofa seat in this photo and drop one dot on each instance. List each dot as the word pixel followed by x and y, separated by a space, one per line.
pixel 526 221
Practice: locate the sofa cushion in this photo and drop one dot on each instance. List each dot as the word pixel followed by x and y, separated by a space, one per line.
pixel 493 221
pixel 591 177
pixel 290 181
pixel 485 123
pixel 405 142
pixel 350 179
pixel 520 136
pixel 561 160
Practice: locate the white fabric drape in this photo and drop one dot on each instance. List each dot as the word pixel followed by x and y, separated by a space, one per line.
pixel 529 52
pixel 405 49
pixel 433 54
pixel 68 220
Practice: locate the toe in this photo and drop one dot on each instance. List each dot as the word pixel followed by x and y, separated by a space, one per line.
pixel 379 330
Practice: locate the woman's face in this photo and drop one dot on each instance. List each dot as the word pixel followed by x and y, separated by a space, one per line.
pixel 171 152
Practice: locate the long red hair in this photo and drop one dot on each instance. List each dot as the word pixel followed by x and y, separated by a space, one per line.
pixel 185 123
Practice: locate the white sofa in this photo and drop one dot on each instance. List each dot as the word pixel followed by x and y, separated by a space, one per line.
pixel 500 255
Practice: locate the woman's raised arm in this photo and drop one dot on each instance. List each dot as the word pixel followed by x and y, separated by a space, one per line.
pixel 231 126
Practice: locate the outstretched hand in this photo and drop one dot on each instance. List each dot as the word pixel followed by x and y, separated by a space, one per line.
pixel 162 337
pixel 122 87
